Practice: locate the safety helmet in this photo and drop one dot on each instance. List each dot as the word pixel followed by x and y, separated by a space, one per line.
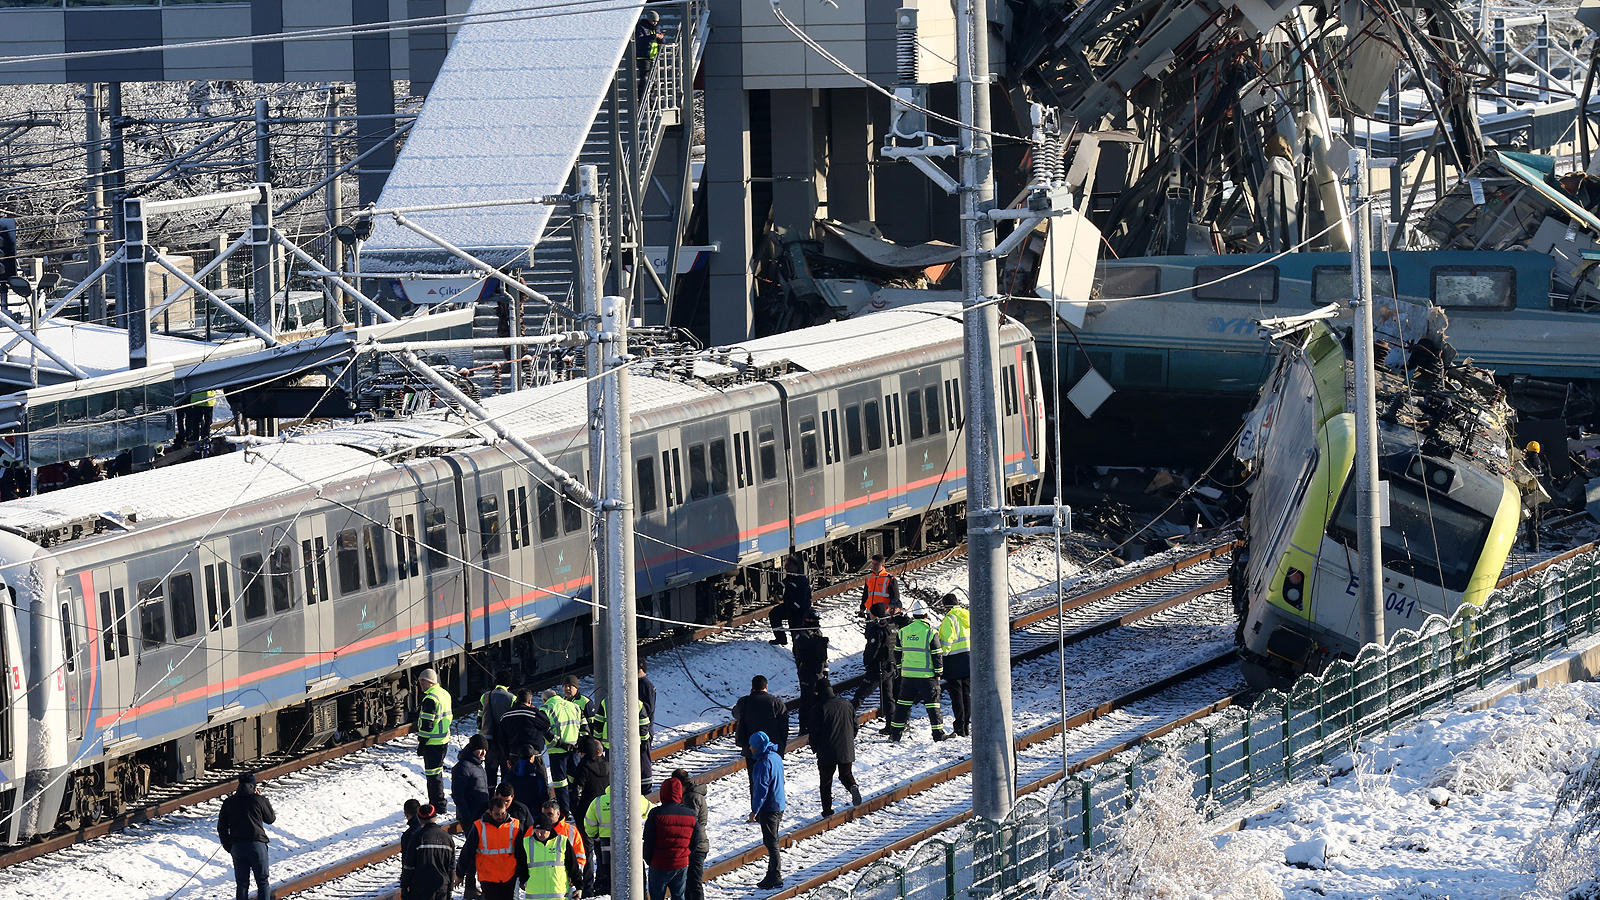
pixel 1533 447
pixel 652 16
pixel 918 608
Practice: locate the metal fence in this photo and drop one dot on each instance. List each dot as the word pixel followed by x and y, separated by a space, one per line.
pixel 1239 755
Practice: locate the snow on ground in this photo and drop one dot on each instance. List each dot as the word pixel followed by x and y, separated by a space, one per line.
pixel 1375 830
pixel 335 811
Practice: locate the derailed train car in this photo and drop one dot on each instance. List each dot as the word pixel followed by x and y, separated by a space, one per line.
pixel 203 615
pixel 1456 489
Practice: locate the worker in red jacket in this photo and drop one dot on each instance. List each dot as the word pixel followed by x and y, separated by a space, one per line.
pixel 671 832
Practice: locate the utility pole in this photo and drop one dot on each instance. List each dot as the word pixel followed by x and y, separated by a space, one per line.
pixel 94 230
pixel 116 180
pixel 622 665
pixel 1369 515
pixel 588 222
pixel 993 761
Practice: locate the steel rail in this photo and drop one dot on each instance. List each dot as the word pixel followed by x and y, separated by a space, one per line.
pixel 377 855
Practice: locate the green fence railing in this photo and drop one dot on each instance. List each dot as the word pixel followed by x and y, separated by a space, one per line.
pixel 1237 755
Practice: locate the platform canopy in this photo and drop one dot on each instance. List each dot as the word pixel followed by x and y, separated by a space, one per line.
pixel 506 119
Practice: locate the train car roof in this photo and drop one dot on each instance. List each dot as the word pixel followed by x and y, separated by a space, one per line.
pixel 359 451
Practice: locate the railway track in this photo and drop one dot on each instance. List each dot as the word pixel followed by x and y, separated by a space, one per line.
pixel 167 799
pixel 710 755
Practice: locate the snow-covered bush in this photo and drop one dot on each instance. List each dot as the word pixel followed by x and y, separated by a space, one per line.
pixel 1560 739
pixel 1566 858
pixel 1162 848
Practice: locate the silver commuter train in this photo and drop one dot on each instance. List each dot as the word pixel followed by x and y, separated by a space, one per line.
pixel 203 615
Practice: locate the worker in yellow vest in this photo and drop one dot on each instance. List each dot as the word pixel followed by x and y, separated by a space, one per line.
pixel 921 661
pixel 547 863
pixel 566 722
pixel 597 824
pixel 433 734
pixel 955 632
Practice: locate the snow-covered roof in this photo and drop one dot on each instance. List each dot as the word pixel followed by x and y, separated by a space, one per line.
pixel 851 342
pixel 101 350
pixel 504 120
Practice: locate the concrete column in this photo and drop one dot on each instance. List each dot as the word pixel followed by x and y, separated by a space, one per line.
pixel 794 169
pixel 851 141
pixel 374 82
pixel 727 175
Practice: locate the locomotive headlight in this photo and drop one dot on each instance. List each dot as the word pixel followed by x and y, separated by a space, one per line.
pixel 1294 583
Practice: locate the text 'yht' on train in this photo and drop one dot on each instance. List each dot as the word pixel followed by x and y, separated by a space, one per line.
pixel 1456 488
pixel 205 614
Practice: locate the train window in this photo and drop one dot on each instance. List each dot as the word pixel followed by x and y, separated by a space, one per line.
pixel 960 413
pixel 377 562
pixel 932 397
pixel 891 415
pixel 400 547
pixel 699 485
pixel 348 561
pixel 874 426
pixel 253 586
pixel 549 517
pixel 1123 282
pixel 749 467
pixel 672 476
pixel 830 453
pixel 741 471
pixel 1474 287
pixel 1234 283
pixel 224 590
pixel 950 403
pixel 281 568
pixel 852 430
pixel 489 526
pixel 572 515
pixel 106 634
pixel 180 590
pixel 152 615
pixel 314 556
pixel 719 466
pixel 511 525
pixel 644 481
pixel 1331 284
pixel 914 413
pixel 436 536
pixel 69 652
pixel 1028 368
pixel 118 598
pixel 808 443
pixel 522 518
pixel 769 453
pixel 411 544
pixel 1011 398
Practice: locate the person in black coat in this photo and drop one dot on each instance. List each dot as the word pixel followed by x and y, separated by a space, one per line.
pixel 427 860
pixel 469 782
pixel 528 777
pixel 241 827
pixel 833 740
pixel 592 777
pixel 796 602
pixel 521 725
pixel 518 810
pixel 878 660
pixel 759 711
pixel 811 665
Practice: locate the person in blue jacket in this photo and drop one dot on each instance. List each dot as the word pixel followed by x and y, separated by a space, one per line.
pixel 767 801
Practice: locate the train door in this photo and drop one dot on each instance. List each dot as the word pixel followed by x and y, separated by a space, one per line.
pixel 13 721
pixel 114 643
pixel 488 551
pixel 808 459
pixel 771 467
pixel 253 619
pixel 222 637
pixel 865 459
pixel 926 447
pixel 321 632
pixel 656 556
pixel 674 495
pixel 75 659
pixel 518 498
pixel 893 487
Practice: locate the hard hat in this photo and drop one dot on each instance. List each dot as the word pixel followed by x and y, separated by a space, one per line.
pixel 918 608
pixel 652 16
pixel 1533 447
pixel 428 676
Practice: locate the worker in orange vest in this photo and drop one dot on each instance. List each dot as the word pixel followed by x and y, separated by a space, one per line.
pixel 881 587
pixel 488 861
